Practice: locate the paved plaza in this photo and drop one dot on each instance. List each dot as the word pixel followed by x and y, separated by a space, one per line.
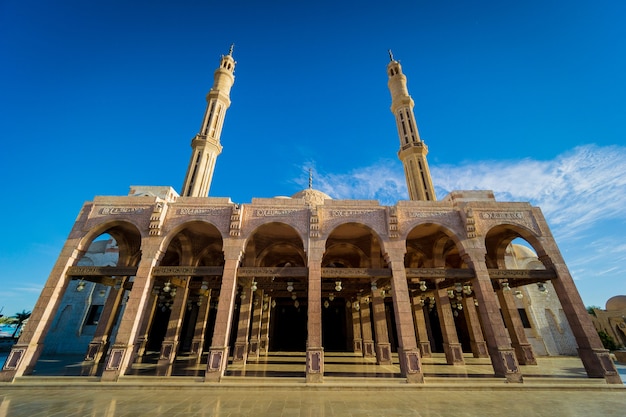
pixel 556 387
pixel 293 400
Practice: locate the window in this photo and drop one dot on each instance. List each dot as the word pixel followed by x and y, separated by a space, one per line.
pixel 94 315
pixel 524 317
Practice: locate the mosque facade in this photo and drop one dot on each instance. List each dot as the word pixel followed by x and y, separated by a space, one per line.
pixel 225 283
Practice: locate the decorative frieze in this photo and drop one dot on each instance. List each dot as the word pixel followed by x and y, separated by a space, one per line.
pixel 427 214
pixel 449 273
pixel 107 211
pixel 470 223
pixel 393 223
pixel 502 215
pixel 350 213
pixel 314 224
pixel 191 211
pixel 355 273
pixel 106 271
pixel 273 212
pixel 157 218
pixel 254 271
pixel 192 271
pixel 529 274
pixel 235 220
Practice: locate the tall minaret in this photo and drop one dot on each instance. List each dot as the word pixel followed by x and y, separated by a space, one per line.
pixel 412 150
pixel 206 144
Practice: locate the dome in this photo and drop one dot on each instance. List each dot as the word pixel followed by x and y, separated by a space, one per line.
pixel 312 197
pixel 616 303
pixel 522 252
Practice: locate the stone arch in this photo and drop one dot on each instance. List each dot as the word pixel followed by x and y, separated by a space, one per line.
pixel 353 245
pixel 435 245
pixel 498 238
pixel 192 243
pixel 274 244
pixel 359 246
pixel 127 236
pixel 271 245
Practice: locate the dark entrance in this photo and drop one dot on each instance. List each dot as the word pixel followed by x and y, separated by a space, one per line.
pixel 288 326
pixel 334 326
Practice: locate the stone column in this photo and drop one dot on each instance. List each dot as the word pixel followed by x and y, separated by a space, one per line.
pixel 197 343
pixel 314 348
pixel 477 342
pixel 366 328
pixel 594 356
pixel 146 324
pixel 408 352
pixel 357 339
pixel 451 345
pixel 218 353
pixel 169 347
pixel 97 346
pixel 265 326
pixel 420 327
pixel 26 351
pixel 121 354
pixel 513 322
pixel 240 354
pixel 255 333
pixel 383 347
pixel 502 355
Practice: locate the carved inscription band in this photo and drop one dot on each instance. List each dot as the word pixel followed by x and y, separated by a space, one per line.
pixel 272 212
pixel 107 271
pixel 502 215
pixel 194 271
pixel 205 211
pixel 121 210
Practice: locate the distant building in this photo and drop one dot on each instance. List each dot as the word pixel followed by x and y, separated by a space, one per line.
pixel 82 304
pixel 612 320
pixel 204 277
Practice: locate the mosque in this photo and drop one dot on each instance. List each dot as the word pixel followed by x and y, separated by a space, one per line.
pixel 223 285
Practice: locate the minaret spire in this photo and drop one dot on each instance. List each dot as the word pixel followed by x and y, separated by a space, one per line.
pixel 206 144
pixel 412 150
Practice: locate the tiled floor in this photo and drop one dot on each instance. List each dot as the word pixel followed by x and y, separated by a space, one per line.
pixel 63 401
pixel 348 365
pixel 352 387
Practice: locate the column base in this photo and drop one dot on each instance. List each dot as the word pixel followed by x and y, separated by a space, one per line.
pixel 505 365
pixel 14 363
pixel 368 349
pixel 383 353
pixel 479 349
pixel 315 365
pixel 216 364
pixel 454 353
pixel 197 347
pixel 425 349
pixel 168 352
pixel 525 354
pixel 598 364
pixel 141 346
pixel 114 363
pixel 241 352
pixel 357 346
pixel 411 365
pixel 265 346
pixel 253 349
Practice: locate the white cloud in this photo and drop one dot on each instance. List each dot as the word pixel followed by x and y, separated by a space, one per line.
pixel 383 181
pixel 582 194
pixel 575 190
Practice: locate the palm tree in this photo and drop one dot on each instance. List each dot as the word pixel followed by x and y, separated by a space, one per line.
pixel 20 317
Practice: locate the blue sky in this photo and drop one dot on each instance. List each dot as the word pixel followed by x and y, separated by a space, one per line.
pixel 526 99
